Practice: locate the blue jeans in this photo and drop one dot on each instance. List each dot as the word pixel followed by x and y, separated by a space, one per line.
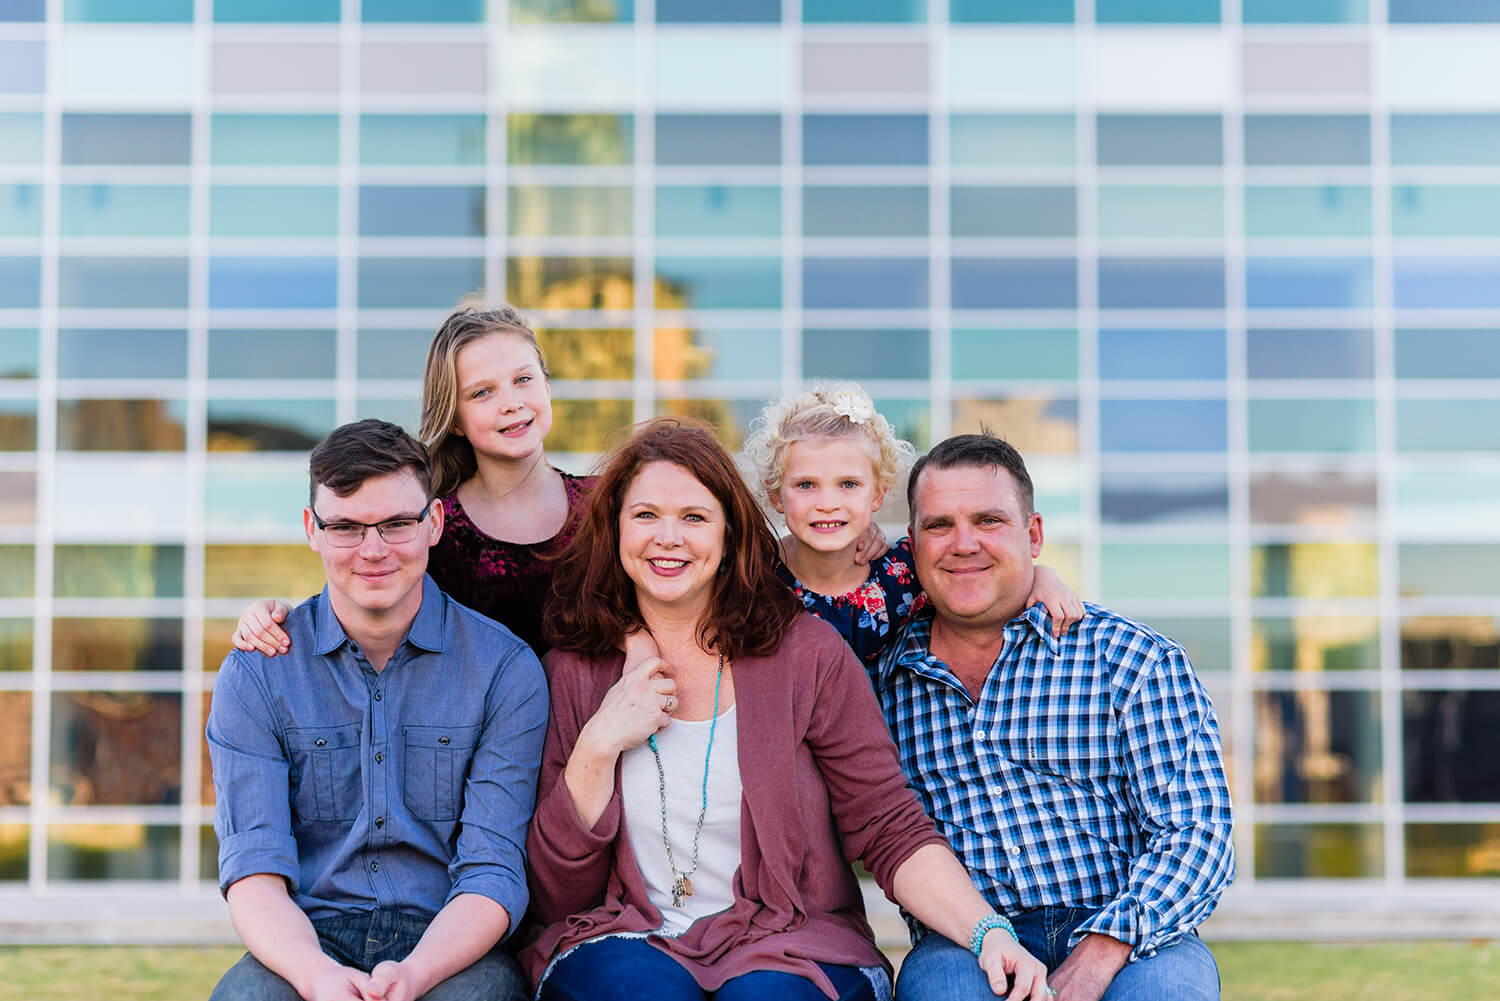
pixel 366 940
pixel 627 969
pixel 938 970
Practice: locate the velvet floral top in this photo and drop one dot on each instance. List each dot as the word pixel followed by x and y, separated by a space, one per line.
pixel 508 581
pixel 869 617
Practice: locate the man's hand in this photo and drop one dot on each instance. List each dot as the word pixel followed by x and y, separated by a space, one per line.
pixel 392 981
pixel 333 982
pixel 1089 969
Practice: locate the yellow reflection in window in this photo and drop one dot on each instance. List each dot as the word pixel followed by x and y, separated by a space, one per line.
pixel 583 139
pixel 588 425
pixel 1319 851
pixel 112 851
pixel 15 850
pixel 17 425
pixel 595 211
pixel 1456 643
pixel 133 644
pixel 677 355
pixel 120 425
pixel 1032 424
pixel 719 413
pixel 1447 851
pixel 15 644
pixel 588 354
pixel 254 571
pixel 574 283
pixel 15 748
pixel 128 571
pixel 1315 643
pixel 216 642
pixel 1315 570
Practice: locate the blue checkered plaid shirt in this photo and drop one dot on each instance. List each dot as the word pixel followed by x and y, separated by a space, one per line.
pixel 1088 774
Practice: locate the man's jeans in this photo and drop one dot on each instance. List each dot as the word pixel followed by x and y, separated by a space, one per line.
pixel 938 970
pixel 365 940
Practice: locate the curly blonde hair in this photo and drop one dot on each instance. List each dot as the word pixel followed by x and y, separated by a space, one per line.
pixel 823 412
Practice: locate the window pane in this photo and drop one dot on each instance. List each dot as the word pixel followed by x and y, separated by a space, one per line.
pixel 1307 139
pixel 268 425
pixel 1443 12
pixel 117 644
pixel 283 210
pixel 15 766
pixel 156 11
pixel 1315 643
pixel 570 283
pixel 1309 354
pixel 1447 283
pixel 1148 497
pixel 865 354
pixel 1161 283
pixel 239 500
pixel 1150 140
pixel 523 11
pixel 255 140
pixel 1207 642
pixel 20 282
pixel 1014 354
pixel 535 210
pixel 893 140
pixel 133 139
pixel 20 138
pixel 1448 425
pixel 272 283
pixel 1312 425
pixel 1448 354
pixel 417 282
pixel 587 425
pixel 1011 11
pixel 1445 211
pixel 17 507
pixel 826 11
pixel 122 354
pixel 120 425
pixel 271 11
pixel 1438 569
pixel 1144 210
pixel 20 210
pixel 1449 738
pixel 1156 11
pixel 864 283
pixel 596 140
pixel 718 210
pixel 254 571
pixel 1304 11
pixel 123 210
pixel 1014 283
pixel 448 11
pixel 1011 140
pixel 1456 139
pixel 422 140
pixel 1162 426
pixel 264 354
pixel 718 11
pixel 127 571
pixel 1161 354
pixel 847 210
pixel 111 852
pixel 19 354
pixel 1001 212
pixel 19 565
pixel 1163 570
pixel 1319 851
pixel 1453 851
pixel 15 643
pixel 408 210
pixel 1031 423
pixel 718 283
pixel 1312 211
pixel 1315 498
pixel 738 140
pixel 18 425
pixel 122 282
pixel 1314 570
pixel 389 354
pixel 1317 747
pixel 1308 283
pixel 590 354
pixel 1450 643
pixel 1456 499
pixel 701 353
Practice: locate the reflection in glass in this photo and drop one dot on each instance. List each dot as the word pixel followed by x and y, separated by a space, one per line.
pixel 1161 283
pixel 421 140
pixel 116 748
pixel 1041 211
pixel 294 210
pixel 15 852
pixel 1295 140
pixel 122 210
pixel 17 571
pixel 1315 643
pixel 863 11
pixel 718 283
pixel 576 11
pixel 1316 746
pixel 1319 851
pixel 718 210
pixel 265 354
pixel 1157 11
pixel 275 11
pixel 1167 211
pixel 587 425
pixel 122 354
pixel 268 425
pixel 237 501
pixel 865 282
pixel 1309 354
pixel 865 354
pixel 272 283
pixel 1313 498
pixel 1298 425
pixel 1450 643
pixel 849 210
pixel 1161 354
pixel 864 140
pixel 1307 211
pixel 1445 139
pixel 1453 851
pixel 1439 569
pixel 1432 211
pixel 208 852
pixel 1453 425
pixel 122 282
pixel 589 354
pixel 1022 354
pixel 1448 354
pixel 1152 140
pixel 413 210
pixel 1449 740
pixel 15 748
pixel 255 571
pixel 538 210
pixel 17 498
pixel 205 761
pixel 570 282
pixel 18 425
pixel 247 139
pixel 912 421
pixel 1163 570
pixel 1308 283
pixel 405 411
pixel 718 11
pixel 117 571
pixel 1151 497
pixel 135 644
pixel 120 425
pixel 19 354
pixel 976 140
pixel 391 354
pixel 20 282
pixel 20 137
pixel 1446 283
pixel 1163 425
pixel 1304 11
pixel 1030 423
pixel 1207 642
pixel 134 139
pixel 712 353
pixel 1314 570
pixel 730 418
pixel 417 282
pixel 1014 283
pixel 595 140
pixel 112 852
pixel 15 644
pixel 216 646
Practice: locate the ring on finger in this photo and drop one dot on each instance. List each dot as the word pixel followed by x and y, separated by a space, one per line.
pixel 670 704
pixel 1051 992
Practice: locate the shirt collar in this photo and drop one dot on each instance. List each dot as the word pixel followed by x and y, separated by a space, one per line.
pixel 913 648
pixel 426 629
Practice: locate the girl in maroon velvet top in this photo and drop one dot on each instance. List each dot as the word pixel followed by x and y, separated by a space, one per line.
pixel 486 408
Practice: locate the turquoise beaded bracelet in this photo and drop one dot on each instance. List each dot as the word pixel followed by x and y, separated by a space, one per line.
pixel 983 927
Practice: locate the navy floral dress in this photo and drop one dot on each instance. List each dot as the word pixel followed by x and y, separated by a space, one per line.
pixel 871 616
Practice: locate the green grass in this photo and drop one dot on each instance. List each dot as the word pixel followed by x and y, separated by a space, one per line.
pixel 1252 971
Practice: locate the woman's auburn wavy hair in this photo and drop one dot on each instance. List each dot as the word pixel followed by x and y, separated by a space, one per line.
pixel 593 603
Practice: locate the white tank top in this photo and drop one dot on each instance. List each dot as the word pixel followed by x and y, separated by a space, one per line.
pixel 682 746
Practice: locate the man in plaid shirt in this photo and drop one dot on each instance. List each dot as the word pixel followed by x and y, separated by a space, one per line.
pixel 1080 779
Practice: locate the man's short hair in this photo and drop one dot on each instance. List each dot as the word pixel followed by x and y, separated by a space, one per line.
pixel 357 452
pixel 985 449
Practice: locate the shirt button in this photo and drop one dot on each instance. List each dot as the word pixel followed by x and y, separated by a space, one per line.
pixel 979 734
pixel 377 695
pixel 374 866
pixel 1015 850
pixel 379 821
pixel 444 741
pixel 379 757
pixel 996 792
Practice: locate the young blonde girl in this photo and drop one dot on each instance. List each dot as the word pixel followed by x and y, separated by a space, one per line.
pixel 825 460
pixel 486 409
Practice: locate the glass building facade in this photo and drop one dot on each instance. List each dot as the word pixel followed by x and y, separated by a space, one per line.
pixel 1227 273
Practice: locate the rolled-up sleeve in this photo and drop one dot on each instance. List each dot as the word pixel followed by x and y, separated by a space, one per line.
pixel 252 812
pixel 500 791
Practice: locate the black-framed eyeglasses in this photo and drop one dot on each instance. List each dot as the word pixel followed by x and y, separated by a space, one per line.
pixel 348 534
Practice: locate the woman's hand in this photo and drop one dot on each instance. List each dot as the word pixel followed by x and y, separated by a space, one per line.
pixel 259 628
pixel 1014 973
pixel 634 708
pixel 1061 601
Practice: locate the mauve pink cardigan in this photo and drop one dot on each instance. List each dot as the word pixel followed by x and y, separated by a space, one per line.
pixel 816 763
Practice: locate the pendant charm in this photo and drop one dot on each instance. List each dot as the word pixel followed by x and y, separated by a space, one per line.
pixel 679 889
pixel 687 886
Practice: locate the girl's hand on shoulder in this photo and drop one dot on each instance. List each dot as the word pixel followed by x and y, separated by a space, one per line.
pixel 259 629
pixel 871 546
pixel 1061 601
pixel 1014 973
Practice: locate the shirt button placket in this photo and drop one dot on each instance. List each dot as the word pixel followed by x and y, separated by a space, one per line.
pixel 380 781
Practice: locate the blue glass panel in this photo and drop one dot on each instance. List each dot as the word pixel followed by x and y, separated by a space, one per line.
pixel 122 282
pixel 1304 11
pixel 1022 211
pixel 23 10
pixel 718 283
pixel 122 354
pixel 284 210
pixel 895 140
pixel 865 354
pixel 718 210
pixel 1010 11
pixel 136 139
pixel 252 140
pixel 20 354
pixel 1448 354
pixel 263 354
pixel 728 139
pixel 1448 425
pixel 1457 140
pixel 20 137
pixel 718 11
pixel 1443 11
pixel 1156 11
pixel 1015 283
pixel 1309 354
pixel 1161 283
pixel 271 11
pixel 1148 140
pixel 1023 354
pixel 421 211
pixel 1291 140
pixel 863 11
pixel 20 210
pixel 725 354
pixel 268 425
pixel 1447 283
pixel 410 140
pixel 847 210
pixel 273 283
pixel 1144 497
pixel 1308 283
pixel 124 210
pixel 1161 354
pixel 404 11
pixel 20 282
pixel 391 354
pixel 864 283
pixel 23 66
pixel 417 282
pixel 1011 140
pixel 155 11
pixel 1163 426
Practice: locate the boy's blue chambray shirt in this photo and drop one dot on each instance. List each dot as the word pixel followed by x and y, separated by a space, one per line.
pixel 391 791
pixel 1087 774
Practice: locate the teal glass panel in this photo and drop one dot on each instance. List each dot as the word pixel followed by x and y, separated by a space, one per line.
pixel 864 11
pixel 421 140
pixel 1148 210
pixel 1460 499
pixel 1163 570
pixel 404 411
pixel 1434 570
pixel 20 137
pixel 275 11
pixel 1449 211
pixel 1043 211
pixel 289 210
pixel 428 11
pixel 718 283
pixel 122 354
pixel 268 425
pixel 1442 11
pixel 237 500
pixel 245 140
pixel 20 354
pixel 537 210
pixel 417 282
pixel 597 140
pixel 263 354
pixel 1304 11
pixel 843 210
pixel 1312 425
pixel 1156 11
pixel 124 210
pixel 1011 140
pixel 422 210
pixel 573 11
pixel 1448 354
pixel 1319 851
pixel 1313 211
pixel 145 11
pixel 388 354
pixel 20 210
pixel 1457 140
pixel 1448 425
pixel 1014 354
pixel 718 210
pixel 712 353
pixel 1010 11
pixel 866 354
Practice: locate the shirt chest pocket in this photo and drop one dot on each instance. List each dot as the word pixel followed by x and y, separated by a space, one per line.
pixel 437 762
pixel 326 781
pixel 1077 748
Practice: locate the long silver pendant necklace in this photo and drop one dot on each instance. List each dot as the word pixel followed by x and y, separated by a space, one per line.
pixel 682 882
